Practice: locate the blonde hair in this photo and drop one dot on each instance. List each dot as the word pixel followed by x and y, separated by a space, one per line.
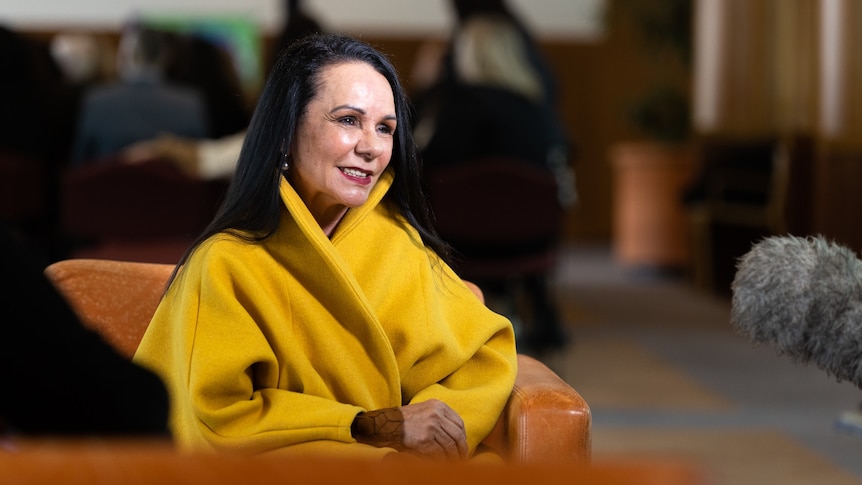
pixel 490 50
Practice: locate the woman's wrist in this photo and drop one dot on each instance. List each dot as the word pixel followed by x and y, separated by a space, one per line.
pixel 383 428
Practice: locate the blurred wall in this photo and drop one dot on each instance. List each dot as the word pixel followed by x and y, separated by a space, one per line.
pixel 550 18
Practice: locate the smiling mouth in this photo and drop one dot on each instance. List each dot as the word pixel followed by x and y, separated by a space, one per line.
pixel 354 172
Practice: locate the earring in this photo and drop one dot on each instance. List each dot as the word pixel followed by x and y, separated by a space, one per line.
pixel 286 164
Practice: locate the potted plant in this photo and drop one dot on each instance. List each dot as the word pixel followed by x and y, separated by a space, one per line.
pixel 652 170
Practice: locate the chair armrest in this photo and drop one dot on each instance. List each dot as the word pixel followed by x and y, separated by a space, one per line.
pixel 545 419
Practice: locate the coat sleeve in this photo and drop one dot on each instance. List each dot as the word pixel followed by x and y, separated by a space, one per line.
pixel 474 372
pixel 211 341
pixel 477 390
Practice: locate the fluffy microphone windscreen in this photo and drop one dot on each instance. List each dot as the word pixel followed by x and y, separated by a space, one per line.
pixel 803 297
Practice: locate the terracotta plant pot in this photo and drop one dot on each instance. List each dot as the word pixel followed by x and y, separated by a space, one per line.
pixel 649 227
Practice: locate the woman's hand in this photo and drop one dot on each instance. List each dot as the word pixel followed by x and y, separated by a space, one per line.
pixel 433 428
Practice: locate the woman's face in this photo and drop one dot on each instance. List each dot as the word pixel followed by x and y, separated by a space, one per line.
pixel 343 142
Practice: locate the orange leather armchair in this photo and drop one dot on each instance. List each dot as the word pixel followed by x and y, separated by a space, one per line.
pixel 545 420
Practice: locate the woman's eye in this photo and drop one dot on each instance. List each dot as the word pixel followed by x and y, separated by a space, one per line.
pixel 348 120
pixel 386 129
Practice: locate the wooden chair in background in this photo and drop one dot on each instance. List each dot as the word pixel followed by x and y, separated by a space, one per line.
pixel 749 188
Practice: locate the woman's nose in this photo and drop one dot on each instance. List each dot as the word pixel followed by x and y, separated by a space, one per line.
pixel 370 145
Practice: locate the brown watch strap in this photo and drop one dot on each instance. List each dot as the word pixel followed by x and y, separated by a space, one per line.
pixel 380 428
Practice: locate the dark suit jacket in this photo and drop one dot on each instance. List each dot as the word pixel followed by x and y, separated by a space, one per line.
pixel 115 116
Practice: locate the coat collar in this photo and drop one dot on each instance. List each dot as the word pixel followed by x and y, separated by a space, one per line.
pixel 306 221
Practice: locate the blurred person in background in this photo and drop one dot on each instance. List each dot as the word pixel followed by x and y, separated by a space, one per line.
pixel 37 113
pixel 84 58
pixel 201 64
pixel 493 98
pixel 205 159
pixel 216 157
pixel 297 24
pixel 141 105
pixel 37 118
pixel 492 80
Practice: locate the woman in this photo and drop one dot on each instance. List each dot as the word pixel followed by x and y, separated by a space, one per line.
pixel 316 313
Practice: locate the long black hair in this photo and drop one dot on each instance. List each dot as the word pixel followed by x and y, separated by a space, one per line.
pixel 252 205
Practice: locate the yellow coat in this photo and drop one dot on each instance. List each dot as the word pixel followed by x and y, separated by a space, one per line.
pixel 276 346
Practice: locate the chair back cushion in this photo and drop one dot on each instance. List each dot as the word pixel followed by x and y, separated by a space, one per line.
pixel 152 199
pixel 23 188
pixel 496 201
pixel 115 298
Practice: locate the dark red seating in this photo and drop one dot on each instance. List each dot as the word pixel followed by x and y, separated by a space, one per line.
pixel 23 187
pixel 148 212
pixel 504 219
